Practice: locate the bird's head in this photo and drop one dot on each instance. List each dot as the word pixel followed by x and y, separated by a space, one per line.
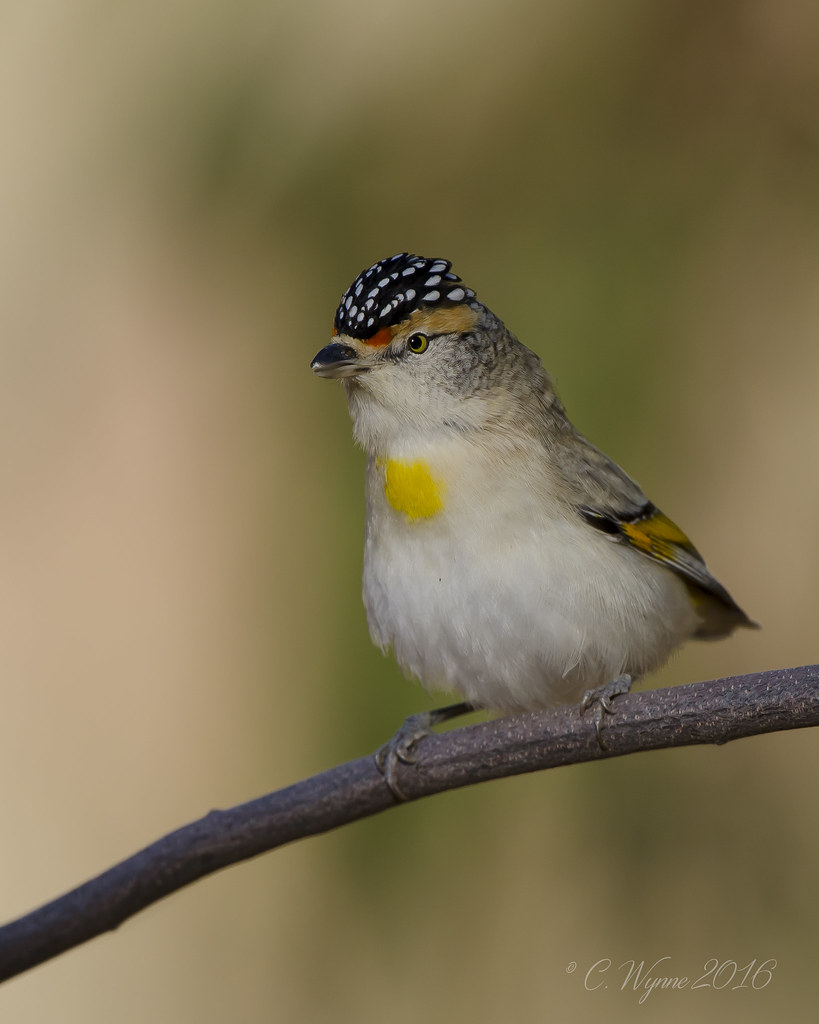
pixel 419 354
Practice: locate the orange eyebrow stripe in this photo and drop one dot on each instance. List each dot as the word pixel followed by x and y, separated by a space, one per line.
pixel 380 338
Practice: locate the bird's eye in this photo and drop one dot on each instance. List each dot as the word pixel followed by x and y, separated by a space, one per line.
pixel 418 343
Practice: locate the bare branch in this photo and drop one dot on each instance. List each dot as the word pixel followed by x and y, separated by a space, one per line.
pixel 712 712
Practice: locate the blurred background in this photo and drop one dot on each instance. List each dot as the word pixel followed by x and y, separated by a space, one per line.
pixel 185 191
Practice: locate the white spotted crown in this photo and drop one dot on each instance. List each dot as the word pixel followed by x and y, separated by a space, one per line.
pixel 391 289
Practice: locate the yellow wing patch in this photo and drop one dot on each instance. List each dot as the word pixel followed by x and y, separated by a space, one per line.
pixel 660 539
pixel 657 536
pixel 411 488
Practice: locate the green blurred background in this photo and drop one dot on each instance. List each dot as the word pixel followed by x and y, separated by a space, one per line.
pixel 185 191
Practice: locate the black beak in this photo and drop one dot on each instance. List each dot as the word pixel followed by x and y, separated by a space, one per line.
pixel 336 360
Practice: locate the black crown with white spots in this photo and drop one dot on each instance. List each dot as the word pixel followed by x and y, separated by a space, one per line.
pixel 393 288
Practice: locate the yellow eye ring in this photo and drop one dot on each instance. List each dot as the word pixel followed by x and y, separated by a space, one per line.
pixel 418 343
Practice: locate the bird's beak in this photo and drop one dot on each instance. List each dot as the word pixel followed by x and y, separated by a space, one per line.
pixel 336 360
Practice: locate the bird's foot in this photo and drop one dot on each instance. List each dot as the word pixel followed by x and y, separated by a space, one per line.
pixel 601 699
pixel 399 749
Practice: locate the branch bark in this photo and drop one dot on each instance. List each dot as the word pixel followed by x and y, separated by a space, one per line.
pixel 710 712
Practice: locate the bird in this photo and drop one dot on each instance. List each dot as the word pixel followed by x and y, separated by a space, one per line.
pixel 506 558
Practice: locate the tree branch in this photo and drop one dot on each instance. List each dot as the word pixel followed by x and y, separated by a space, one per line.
pixel 711 712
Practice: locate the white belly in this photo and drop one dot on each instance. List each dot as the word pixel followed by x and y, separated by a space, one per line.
pixel 515 610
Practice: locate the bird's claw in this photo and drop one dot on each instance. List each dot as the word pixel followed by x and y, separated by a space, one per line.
pixel 601 699
pixel 398 750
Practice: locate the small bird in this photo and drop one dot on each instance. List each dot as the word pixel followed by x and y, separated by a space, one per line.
pixel 505 557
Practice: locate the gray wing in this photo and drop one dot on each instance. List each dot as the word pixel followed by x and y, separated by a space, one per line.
pixel 610 501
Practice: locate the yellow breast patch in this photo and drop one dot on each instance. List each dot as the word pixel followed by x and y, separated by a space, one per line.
pixel 411 488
